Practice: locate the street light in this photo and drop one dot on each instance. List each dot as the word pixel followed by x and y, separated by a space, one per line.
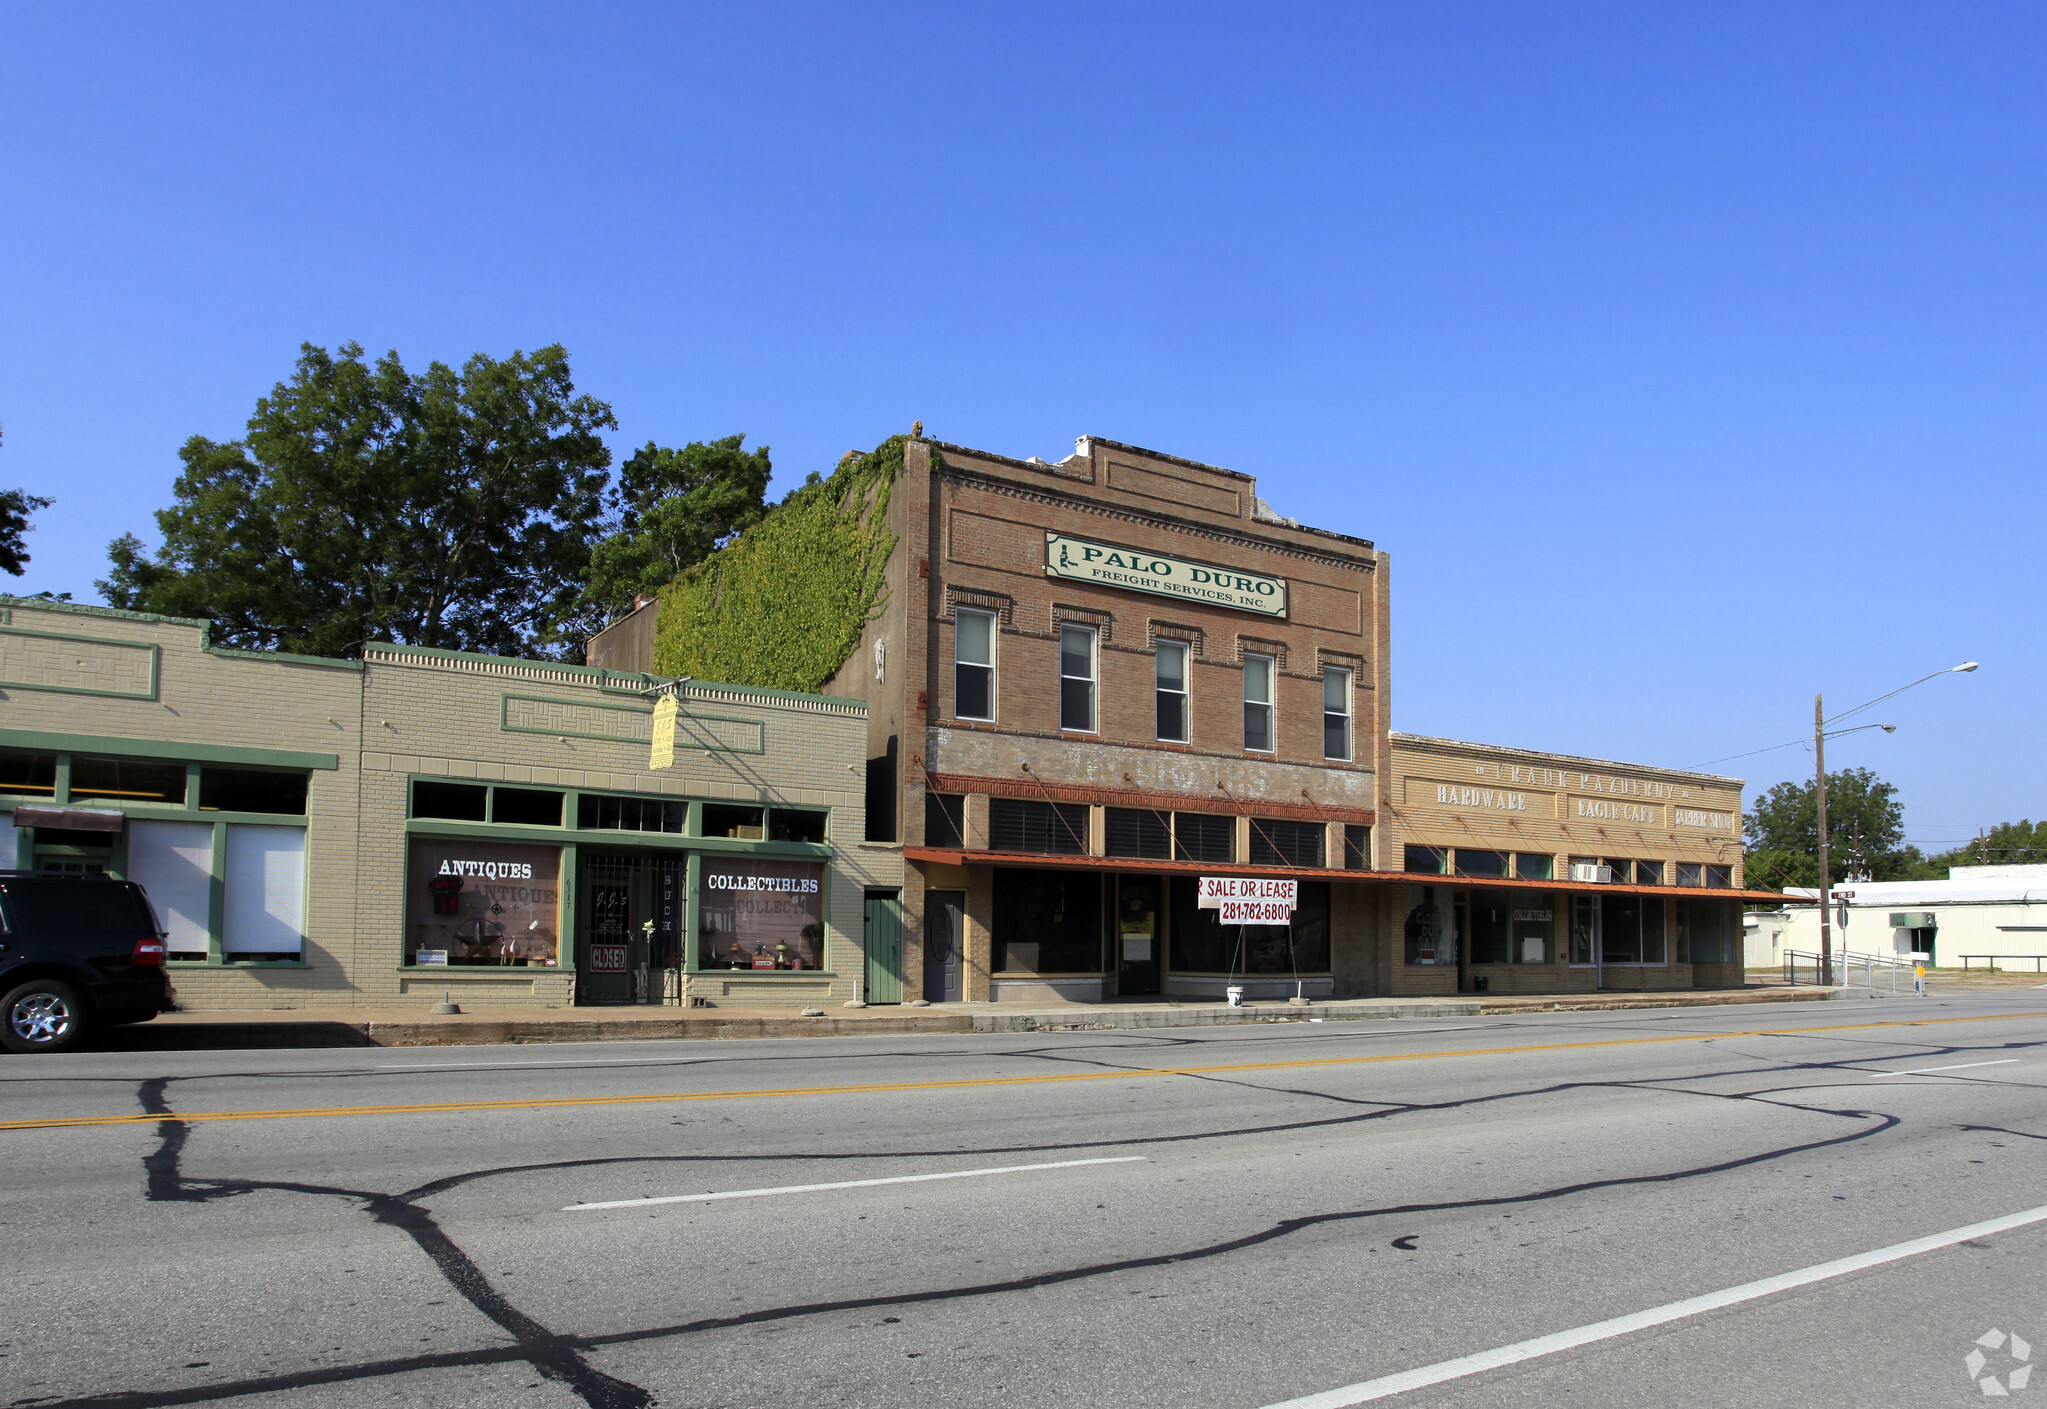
pixel 1819 749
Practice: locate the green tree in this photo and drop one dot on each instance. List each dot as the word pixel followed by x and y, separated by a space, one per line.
pixel 1865 833
pixel 2022 843
pixel 367 503
pixel 672 509
pixel 15 507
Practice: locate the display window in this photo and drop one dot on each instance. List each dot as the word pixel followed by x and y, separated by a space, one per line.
pixel 483 903
pixel 1202 944
pixel 1430 930
pixel 766 915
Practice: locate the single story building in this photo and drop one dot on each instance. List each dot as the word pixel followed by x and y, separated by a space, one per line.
pixel 319 832
pixel 1978 916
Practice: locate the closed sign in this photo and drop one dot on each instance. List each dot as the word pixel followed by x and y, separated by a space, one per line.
pixel 608 958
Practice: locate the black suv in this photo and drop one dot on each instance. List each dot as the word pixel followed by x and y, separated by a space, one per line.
pixel 76 952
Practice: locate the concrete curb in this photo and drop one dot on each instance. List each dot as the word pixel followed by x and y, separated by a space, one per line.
pixel 201 1035
pixel 328 1032
pixel 1367 1010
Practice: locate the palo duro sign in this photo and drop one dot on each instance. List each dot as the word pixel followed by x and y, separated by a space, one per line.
pixel 1138 570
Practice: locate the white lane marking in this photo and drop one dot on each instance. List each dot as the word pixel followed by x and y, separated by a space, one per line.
pixel 850 1184
pixel 1387 1385
pixel 1958 1066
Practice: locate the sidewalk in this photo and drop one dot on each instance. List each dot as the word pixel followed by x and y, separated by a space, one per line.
pixel 411 1025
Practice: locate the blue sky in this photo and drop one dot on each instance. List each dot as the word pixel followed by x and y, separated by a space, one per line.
pixel 1687 359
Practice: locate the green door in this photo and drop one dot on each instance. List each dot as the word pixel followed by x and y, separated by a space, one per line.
pixel 883 943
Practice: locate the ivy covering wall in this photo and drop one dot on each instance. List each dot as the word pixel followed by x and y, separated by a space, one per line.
pixel 784 604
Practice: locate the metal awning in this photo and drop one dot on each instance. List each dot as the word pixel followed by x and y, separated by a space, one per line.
pixel 946 856
pixel 72 819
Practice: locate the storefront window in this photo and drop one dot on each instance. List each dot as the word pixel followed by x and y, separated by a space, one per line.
pixel 1705 931
pixel 1357 847
pixel 1648 873
pixel 945 820
pixel 1533 866
pixel 1202 945
pixel 1431 927
pixel 1535 932
pixel 1584 928
pixel 1719 877
pixel 760 914
pixel 483 903
pixel 601 813
pixel 1491 918
pixel 1631 929
pixel 1025 824
pixel 1689 873
pixel 1048 922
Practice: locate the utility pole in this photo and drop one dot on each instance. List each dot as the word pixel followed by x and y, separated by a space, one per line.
pixel 1819 749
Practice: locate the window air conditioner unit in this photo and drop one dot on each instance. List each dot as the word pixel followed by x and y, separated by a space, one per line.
pixel 1912 920
pixel 1591 871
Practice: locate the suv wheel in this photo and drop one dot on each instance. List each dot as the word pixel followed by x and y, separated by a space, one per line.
pixel 41 1016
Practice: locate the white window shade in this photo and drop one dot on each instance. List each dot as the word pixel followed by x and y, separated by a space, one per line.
pixel 266 890
pixel 173 862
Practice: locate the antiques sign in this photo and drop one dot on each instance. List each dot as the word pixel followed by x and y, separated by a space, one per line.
pixel 1141 571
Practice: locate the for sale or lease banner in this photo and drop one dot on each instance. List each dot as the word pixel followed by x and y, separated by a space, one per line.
pixel 1214 890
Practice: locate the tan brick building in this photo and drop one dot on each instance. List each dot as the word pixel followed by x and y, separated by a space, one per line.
pixel 329 832
pixel 1559 874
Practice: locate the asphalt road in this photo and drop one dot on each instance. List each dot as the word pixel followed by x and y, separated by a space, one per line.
pixel 1231 1217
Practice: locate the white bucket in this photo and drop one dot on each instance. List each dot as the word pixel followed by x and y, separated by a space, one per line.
pixel 1235 995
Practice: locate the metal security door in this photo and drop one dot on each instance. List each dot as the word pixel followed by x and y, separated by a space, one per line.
pixel 945 942
pixel 884 947
pixel 606 970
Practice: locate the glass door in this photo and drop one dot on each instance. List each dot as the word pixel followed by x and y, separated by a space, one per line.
pixel 1137 935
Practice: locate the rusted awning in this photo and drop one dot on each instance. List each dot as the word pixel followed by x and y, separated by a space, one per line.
pixel 71 819
pixel 946 856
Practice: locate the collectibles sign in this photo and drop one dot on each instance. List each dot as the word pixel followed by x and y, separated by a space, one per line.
pixel 1140 571
pixel 1248 900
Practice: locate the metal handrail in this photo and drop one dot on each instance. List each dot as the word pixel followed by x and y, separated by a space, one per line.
pixel 1990 960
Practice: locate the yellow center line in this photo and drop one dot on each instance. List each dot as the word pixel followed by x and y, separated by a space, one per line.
pixel 1042 1079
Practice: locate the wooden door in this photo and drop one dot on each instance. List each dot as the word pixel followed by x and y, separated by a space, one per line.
pixel 882 942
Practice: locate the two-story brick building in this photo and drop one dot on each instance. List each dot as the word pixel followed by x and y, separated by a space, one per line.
pixel 1097 679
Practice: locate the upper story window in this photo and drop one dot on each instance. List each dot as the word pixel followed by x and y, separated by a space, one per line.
pixel 1258 703
pixel 973 665
pixel 1172 692
pixel 1077 679
pixel 1336 713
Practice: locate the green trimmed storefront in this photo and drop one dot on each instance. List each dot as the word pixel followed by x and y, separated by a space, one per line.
pixel 319 832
